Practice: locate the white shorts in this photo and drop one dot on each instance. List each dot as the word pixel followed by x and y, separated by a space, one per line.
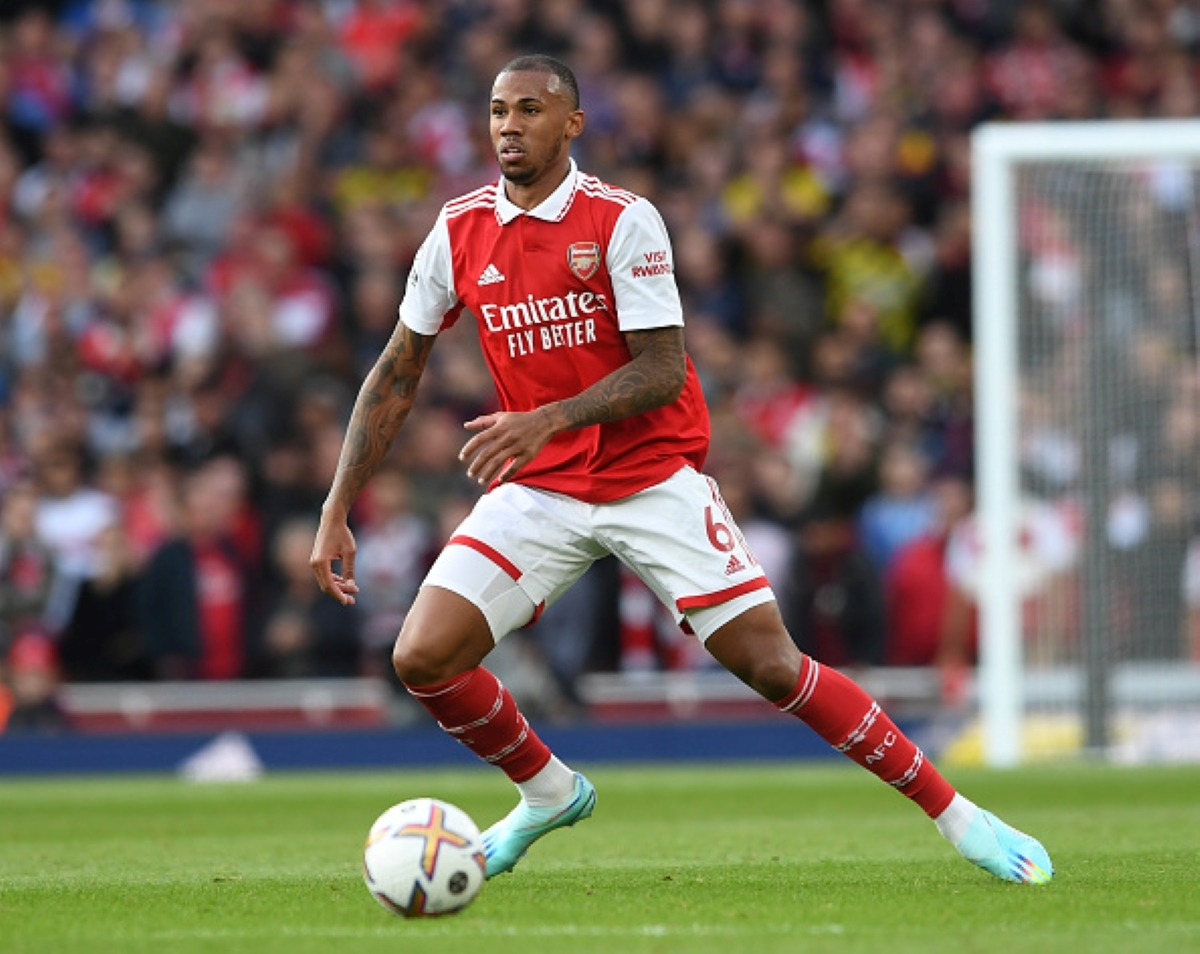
pixel 520 548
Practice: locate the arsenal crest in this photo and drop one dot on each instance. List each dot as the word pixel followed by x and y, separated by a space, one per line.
pixel 584 259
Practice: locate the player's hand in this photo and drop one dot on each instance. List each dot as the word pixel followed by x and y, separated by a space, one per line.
pixel 335 542
pixel 505 443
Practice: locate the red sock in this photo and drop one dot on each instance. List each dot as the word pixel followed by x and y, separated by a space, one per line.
pixel 842 714
pixel 478 711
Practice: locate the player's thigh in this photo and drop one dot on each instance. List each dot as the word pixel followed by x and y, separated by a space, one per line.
pixel 681 539
pixel 514 554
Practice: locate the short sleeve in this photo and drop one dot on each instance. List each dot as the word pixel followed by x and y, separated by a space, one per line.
pixel 429 294
pixel 642 269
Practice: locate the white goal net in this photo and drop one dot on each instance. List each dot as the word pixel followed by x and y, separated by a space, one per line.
pixel 1087 335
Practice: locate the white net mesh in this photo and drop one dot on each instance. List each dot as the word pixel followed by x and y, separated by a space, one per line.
pixel 1108 431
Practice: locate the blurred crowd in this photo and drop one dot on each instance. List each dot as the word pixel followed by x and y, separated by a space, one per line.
pixel 207 213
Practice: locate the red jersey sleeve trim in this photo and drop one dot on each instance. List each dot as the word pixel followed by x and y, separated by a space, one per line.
pixel 490 552
pixel 721 596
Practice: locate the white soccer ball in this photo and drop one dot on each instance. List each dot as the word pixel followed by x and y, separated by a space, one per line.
pixel 424 858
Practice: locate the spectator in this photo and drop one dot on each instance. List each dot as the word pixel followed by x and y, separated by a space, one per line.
pixel 40 82
pixel 947 294
pixel 902 509
pixel 569 633
pixel 834 594
pixel 769 399
pixel 304 636
pixel 945 365
pixel 848 471
pixel 706 283
pixel 373 37
pixel 145 490
pixel 1030 75
pixel 193 603
pixel 861 257
pixel 102 641
pixel 395 549
pixel 69 519
pixel 29 702
pixel 785 302
pixel 929 620
pixel 200 212
pixel 27 568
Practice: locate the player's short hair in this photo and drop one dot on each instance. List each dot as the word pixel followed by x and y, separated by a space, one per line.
pixel 541 63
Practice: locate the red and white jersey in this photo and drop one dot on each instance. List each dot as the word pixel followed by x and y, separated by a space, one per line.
pixel 553 290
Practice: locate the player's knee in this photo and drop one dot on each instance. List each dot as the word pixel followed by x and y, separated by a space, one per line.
pixel 418 663
pixel 774 675
pixel 757 648
pixel 769 671
pixel 443 636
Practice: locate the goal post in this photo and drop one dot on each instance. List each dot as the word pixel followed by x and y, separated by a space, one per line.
pixel 1051 337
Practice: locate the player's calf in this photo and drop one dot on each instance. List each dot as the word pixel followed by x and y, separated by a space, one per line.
pixel 846 717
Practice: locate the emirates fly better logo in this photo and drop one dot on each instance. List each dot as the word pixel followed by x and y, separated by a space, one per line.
pixel 584 259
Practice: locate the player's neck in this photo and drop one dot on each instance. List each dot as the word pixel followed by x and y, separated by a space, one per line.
pixel 532 194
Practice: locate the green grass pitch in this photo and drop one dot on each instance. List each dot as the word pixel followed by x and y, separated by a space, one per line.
pixel 723 858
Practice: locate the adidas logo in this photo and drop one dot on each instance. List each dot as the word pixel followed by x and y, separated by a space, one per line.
pixel 734 565
pixel 490 275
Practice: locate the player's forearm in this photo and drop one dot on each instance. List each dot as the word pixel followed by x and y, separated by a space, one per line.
pixel 653 378
pixel 374 424
pixel 384 401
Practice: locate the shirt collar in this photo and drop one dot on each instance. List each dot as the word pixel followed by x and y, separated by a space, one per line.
pixel 550 209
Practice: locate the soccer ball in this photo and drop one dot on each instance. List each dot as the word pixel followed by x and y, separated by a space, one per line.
pixel 424 858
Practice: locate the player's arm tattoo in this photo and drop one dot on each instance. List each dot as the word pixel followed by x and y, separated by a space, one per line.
pixel 384 400
pixel 653 377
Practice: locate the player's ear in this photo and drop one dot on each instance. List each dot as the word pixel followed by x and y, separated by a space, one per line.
pixel 575 123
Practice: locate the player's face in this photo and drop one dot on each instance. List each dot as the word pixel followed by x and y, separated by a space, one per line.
pixel 533 123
